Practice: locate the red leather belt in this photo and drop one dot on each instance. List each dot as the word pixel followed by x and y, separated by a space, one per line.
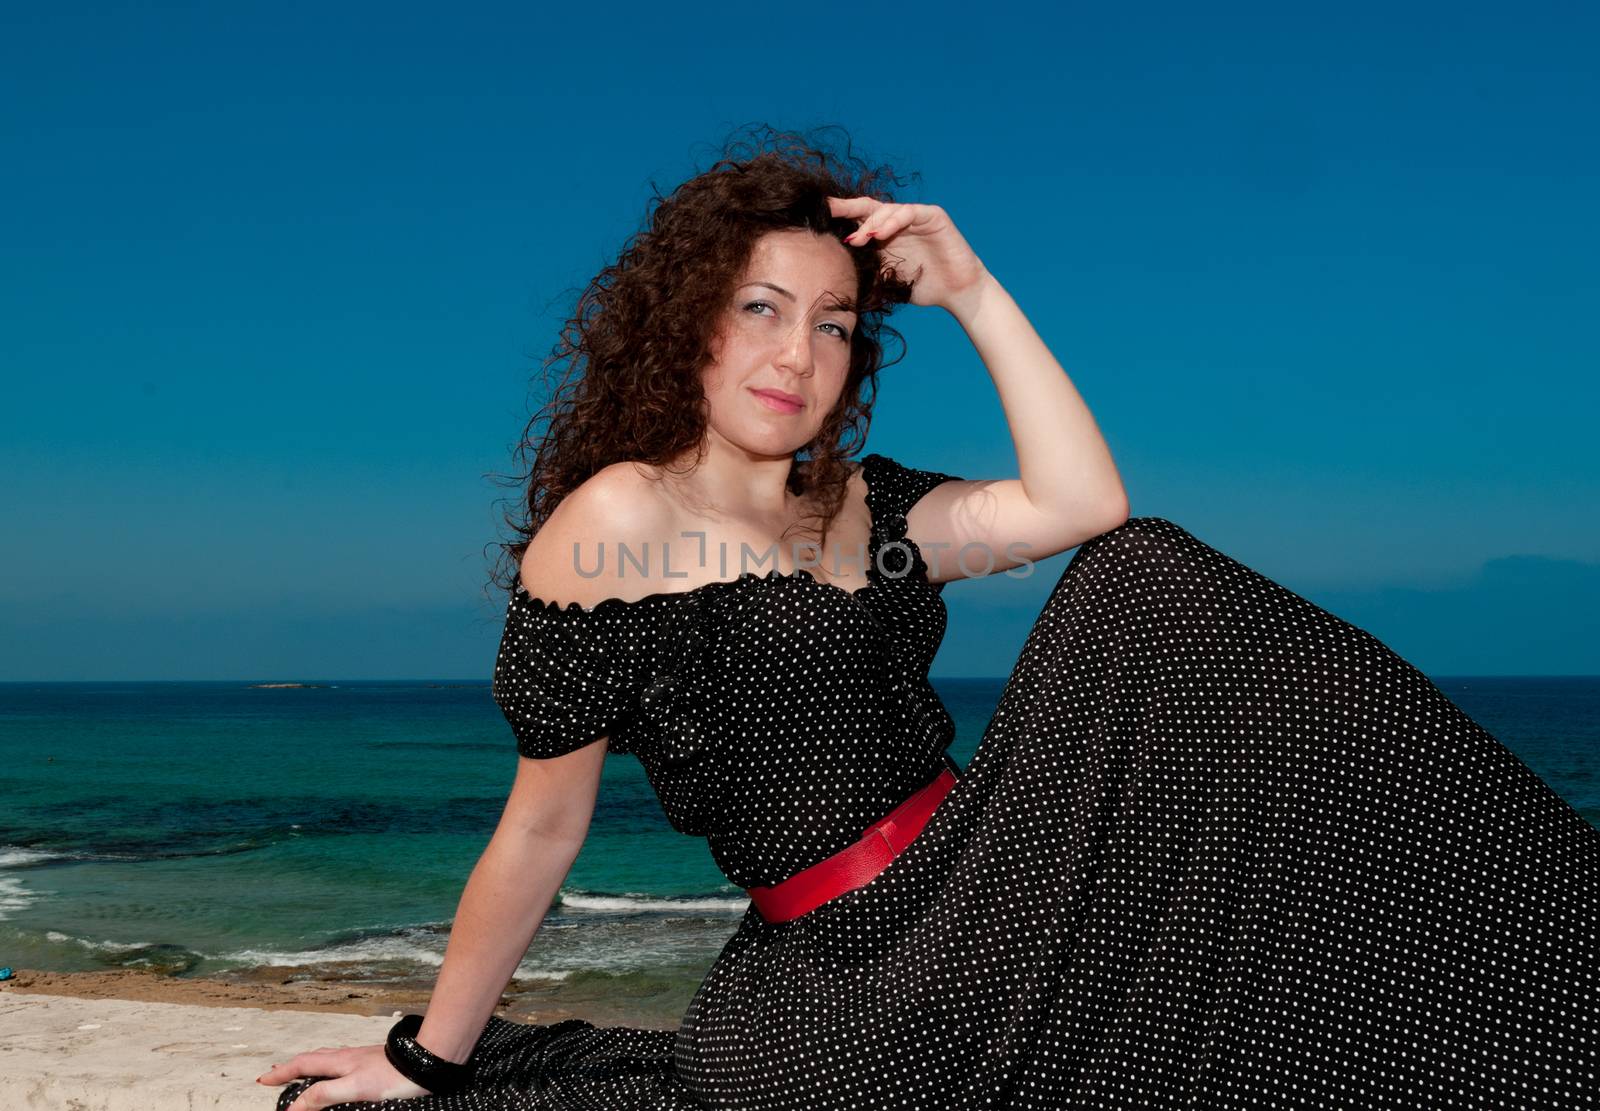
pixel 857 865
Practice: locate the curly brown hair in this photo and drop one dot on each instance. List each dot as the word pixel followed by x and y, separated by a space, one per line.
pixel 643 327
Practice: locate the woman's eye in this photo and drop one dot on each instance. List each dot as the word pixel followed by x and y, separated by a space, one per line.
pixel 842 332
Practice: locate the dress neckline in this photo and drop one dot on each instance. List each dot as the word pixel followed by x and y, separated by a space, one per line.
pixel 875 538
pixel 605 604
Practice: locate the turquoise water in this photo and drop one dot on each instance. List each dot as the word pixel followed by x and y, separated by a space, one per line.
pixel 212 828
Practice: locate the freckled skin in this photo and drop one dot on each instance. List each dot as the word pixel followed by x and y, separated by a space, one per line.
pixel 794 345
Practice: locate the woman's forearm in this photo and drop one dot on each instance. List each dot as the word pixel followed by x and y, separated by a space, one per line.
pixel 501 908
pixel 1063 457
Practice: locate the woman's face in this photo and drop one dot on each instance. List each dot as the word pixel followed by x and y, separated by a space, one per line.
pixel 782 348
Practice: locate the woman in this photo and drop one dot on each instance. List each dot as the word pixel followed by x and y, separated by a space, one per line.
pixel 1216 848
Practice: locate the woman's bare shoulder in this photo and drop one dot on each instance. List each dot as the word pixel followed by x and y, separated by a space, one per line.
pixel 620 505
pixel 631 491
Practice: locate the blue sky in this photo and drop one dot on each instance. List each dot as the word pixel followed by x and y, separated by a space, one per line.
pixel 277 277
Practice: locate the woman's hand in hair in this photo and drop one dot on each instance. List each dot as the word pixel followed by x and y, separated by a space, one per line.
pixel 920 244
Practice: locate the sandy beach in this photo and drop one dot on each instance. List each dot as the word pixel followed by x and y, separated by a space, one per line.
pixel 132 1041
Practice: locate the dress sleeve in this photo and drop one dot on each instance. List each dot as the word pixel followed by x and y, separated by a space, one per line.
pixel 892 489
pixel 566 677
pixel 895 487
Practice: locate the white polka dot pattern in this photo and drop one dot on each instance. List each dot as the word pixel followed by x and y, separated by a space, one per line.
pixel 1217 848
pixel 776 715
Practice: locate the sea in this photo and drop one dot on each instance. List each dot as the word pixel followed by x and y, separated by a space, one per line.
pixel 325 832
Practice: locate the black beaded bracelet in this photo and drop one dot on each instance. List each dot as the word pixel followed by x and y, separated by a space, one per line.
pixel 417 1064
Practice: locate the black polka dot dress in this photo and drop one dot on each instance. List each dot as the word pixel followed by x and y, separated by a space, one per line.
pixel 1217 848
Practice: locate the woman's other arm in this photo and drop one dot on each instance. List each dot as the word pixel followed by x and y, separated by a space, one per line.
pixel 552 801
pixel 512 886
pixel 545 822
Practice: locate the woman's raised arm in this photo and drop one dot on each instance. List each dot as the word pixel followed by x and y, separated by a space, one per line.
pixel 1069 489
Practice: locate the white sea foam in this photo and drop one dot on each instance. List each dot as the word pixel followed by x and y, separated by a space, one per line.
pixel 525 972
pixel 100 946
pixel 385 948
pixel 15 895
pixel 637 902
pixel 391 950
pixel 13 856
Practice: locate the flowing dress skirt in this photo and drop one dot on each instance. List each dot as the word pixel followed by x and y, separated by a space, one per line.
pixel 1217 848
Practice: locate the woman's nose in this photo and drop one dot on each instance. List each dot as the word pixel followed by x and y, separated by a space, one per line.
pixel 795 353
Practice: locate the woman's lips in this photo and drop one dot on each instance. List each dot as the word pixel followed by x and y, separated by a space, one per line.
pixel 778 401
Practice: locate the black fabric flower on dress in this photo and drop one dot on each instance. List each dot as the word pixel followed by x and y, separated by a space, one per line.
pixel 893 556
pixel 668 702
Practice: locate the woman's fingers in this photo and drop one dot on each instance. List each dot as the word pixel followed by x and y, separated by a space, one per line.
pixel 872 224
pixel 852 206
pixel 868 210
pixel 310 1063
pixel 324 1093
pixel 887 221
